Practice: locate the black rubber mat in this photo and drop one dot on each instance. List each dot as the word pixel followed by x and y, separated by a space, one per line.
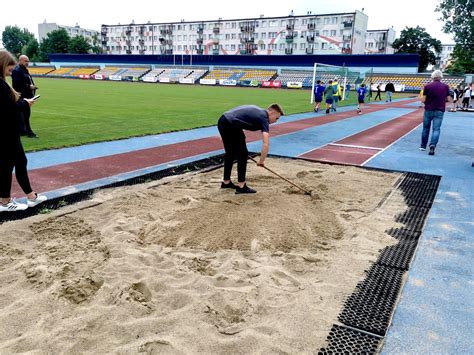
pixel 62 201
pixel 343 340
pixel 370 306
pixel 398 256
pixel 403 234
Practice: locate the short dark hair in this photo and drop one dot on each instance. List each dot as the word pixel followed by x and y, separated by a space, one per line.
pixel 277 108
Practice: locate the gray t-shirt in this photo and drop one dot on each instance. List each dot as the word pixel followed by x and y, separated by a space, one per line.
pixel 248 117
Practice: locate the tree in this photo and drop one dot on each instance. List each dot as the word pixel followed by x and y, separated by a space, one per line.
pixel 95 44
pixel 56 41
pixel 458 20
pixel 31 49
pixel 79 45
pixel 14 38
pixel 417 40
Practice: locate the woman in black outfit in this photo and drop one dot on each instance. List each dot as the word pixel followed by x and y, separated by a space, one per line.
pixel 12 154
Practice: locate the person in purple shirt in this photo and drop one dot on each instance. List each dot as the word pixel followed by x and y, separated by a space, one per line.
pixel 231 127
pixel 318 94
pixel 434 97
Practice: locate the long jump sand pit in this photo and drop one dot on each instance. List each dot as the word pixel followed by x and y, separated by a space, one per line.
pixel 180 266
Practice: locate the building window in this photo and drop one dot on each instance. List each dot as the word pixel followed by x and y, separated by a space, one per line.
pixel 334 20
pixel 333 33
pixel 232 47
pixel 325 32
pixel 234 36
pixel 264 35
pixel 262 46
pixel 185 38
pixel 234 25
pixel 302 45
pixel 227 36
pixel 327 20
pixel 264 24
pixel 282 46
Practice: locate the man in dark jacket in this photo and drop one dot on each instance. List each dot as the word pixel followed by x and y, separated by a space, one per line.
pixel 389 90
pixel 24 84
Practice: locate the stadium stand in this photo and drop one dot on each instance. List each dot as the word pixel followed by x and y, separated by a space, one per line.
pixel 68 72
pixel 134 72
pixel 197 74
pixel 64 71
pixel 106 71
pixel 412 82
pixel 241 74
pixel 152 74
pixel 40 70
pixel 305 77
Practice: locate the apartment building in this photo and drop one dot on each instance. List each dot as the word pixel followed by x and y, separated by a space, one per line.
pixel 379 41
pixel 73 31
pixel 306 34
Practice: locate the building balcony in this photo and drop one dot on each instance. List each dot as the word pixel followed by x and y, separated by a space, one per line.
pixel 311 26
pixel 199 41
pixel 288 50
pixel 247 40
pixel 346 38
pixel 247 28
pixel 309 50
pixel 129 51
pixel 347 24
pixel 290 27
pixel 310 39
pixel 200 30
pixel 128 32
pixel 216 30
pixel 215 40
pixel 200 51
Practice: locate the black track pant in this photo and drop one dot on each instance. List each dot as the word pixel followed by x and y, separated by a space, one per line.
pixel 235 147
pixel 9 159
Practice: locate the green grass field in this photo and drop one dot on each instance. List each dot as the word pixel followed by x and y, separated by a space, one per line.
pixel 74 112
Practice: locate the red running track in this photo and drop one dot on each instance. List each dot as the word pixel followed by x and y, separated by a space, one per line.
pixel 358 148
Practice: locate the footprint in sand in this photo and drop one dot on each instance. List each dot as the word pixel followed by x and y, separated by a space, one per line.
pixel 285 281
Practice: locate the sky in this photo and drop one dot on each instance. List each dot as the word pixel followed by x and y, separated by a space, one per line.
pixel 91 14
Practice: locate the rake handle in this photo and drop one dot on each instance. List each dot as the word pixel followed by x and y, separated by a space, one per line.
pixel 281 177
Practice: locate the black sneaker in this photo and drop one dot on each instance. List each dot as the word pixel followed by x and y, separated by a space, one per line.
pixel 244 190
pixel 32 135
pixel 432 149
pixel 327 111
pixel 230 185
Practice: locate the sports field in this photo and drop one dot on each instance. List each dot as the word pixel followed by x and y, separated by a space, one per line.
pixel 74 112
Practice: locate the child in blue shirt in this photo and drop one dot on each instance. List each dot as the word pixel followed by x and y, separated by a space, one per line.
pixel 318 94
pixel 361 98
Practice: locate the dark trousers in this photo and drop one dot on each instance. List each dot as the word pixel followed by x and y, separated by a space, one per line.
pixel 235 147
pixel 9 159
pixel 378 95
pixel 25 127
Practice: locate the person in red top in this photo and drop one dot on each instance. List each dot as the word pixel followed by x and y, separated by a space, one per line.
pixel 434 97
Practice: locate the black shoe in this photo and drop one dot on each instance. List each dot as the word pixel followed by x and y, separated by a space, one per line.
pixel 432 149
pixel 230 185
pixel 32 135
pixel 327 111
pixel 244 190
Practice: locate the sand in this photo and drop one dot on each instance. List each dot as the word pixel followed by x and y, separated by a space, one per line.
pixel 180 266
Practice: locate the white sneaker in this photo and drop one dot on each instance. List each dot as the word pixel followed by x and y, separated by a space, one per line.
pixel 13 206
pixel 39 198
